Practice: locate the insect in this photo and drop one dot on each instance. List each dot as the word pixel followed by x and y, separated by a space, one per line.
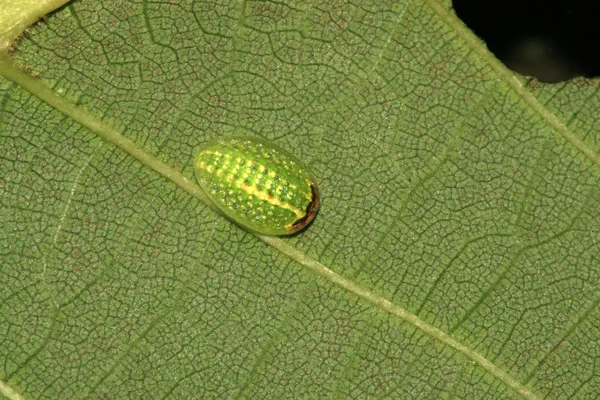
pixel 257 185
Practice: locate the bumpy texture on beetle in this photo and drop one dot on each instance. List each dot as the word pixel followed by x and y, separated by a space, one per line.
pixel 258 185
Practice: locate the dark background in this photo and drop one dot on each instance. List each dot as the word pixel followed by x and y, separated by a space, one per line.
pixel 551 40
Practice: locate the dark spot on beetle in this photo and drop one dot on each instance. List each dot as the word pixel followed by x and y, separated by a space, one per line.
pixel 311 210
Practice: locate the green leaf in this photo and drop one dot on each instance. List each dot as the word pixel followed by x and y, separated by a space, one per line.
pixel 456 253
pixel 17 15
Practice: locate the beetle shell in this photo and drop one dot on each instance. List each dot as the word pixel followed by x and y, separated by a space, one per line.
pixel 258 185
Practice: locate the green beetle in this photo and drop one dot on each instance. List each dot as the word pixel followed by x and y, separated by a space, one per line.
pixel 258 185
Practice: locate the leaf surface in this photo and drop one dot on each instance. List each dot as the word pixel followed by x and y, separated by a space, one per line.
pixel 455 254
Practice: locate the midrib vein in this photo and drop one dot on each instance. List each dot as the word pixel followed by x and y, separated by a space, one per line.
pixel 9 392
pixel 109 134
pixel 509 77
pixel 384 304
